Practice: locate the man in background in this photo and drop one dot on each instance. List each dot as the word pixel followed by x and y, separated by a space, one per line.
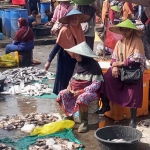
pixel 32 19
pixel 49 14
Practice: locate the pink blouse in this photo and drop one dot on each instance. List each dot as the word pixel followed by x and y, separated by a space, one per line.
pixel 61 11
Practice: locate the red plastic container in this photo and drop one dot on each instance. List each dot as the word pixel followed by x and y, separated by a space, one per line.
pixel 18 2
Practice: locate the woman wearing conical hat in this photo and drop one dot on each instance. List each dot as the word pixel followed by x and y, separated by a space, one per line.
pixel 84 85
pixel 115 90
pixel 69 36
pixel 114 10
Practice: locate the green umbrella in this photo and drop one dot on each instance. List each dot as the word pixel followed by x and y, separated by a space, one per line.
pixel 83 2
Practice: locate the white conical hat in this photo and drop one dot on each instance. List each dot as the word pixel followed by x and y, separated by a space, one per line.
pixel 82 49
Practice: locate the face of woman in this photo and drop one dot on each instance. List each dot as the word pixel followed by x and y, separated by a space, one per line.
pixel 78 57
pixel 74 20
pixel 18 24
pixel 126 32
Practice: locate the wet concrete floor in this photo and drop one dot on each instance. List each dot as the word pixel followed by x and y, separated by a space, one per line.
pixel 11 105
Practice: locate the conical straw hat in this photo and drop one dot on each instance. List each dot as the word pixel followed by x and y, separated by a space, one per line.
pixel 83 2
pixel 82 49
pixel 72 3
pixel 125 24
pixel 115 8
pixel 83 18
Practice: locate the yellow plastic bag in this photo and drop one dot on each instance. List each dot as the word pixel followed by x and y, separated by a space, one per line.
pixel 53 127
pixel 8 60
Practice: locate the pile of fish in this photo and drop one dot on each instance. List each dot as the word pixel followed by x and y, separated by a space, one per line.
pixel 17 122
pixel 36 89
pixel 55 143
pixel 5 147
pixel 27 75
pixel 118 140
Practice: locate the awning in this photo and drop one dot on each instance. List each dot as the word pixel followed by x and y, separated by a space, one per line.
pixel 139 2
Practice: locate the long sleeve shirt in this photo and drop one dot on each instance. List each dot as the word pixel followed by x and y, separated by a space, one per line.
pixel 60 11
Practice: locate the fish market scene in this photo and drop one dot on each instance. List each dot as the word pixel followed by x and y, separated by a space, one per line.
pixel 74 75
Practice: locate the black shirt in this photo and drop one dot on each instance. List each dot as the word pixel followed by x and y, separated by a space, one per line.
pixel 50 17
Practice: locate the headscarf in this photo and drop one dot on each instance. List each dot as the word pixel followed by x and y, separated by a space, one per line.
pixel 88 10
pixel 88 66
pixel 70 36
pixel 130 47
pixel 25 33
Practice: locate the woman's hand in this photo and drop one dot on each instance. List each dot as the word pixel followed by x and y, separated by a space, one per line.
pixel 115 72
pixel 69 89
pixel 47 65
pixel 77 93
pixel 117 64
pixel 34 23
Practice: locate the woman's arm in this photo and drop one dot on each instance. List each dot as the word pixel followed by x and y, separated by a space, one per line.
pixel 129 62
pixel 54 52
pixel 52 55
pixel 15 42
pixel 54 19
pixel 92 88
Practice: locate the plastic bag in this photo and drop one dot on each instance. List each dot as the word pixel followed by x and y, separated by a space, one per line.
pixel 111 38
pixel 8 60
pixel 53 127
pixel 99 50
pixel 28 128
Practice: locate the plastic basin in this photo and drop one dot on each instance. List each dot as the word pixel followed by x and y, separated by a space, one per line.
pixel 107 134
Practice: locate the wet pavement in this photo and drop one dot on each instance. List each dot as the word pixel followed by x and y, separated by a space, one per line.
pixel 12 105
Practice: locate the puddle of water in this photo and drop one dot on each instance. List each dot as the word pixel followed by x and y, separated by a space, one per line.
pixel 11 105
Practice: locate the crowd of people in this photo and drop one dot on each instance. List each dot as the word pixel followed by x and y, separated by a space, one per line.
pixel 79 78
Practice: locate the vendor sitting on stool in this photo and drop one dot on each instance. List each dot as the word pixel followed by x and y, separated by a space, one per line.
pixel 23 43
pixel 32 19
pixel 84 85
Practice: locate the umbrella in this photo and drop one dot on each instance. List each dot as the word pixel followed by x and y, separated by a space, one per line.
pixel 139 2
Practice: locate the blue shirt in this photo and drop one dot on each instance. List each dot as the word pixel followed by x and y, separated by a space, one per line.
pixel 30 20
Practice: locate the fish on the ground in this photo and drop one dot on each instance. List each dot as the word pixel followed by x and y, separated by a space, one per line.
pixel 36 89
pixel 5 147
pixel 55 143
pixel 118 140
pixel 17 122
pixel 27 75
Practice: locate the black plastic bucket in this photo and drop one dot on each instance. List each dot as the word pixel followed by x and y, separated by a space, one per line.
pixel 42 30
pixel 107 134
